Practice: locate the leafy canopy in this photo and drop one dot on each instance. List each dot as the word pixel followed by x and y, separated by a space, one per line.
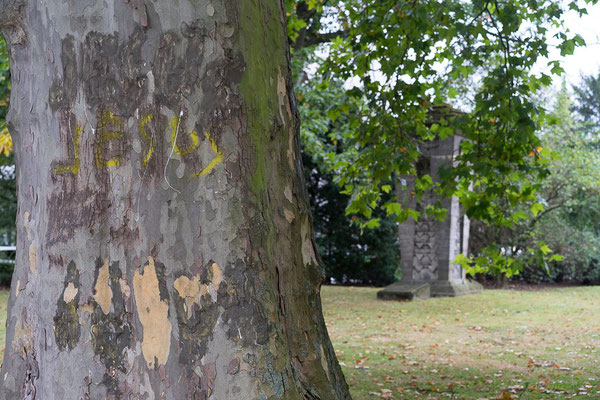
pixel 398 62
pixel 399 59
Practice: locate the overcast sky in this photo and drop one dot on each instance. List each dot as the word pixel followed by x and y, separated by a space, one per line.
pixel 585 60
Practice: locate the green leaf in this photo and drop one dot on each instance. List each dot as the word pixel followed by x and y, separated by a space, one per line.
pixel 545 249
pixel 372 223
pixel 556 257
pixel 536 208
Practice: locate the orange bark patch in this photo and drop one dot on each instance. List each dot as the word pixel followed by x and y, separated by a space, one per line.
pixel 188 290
pixel 186 287
pixel 217 276
pixel 103 292
pixel 153 314
pixel 191 290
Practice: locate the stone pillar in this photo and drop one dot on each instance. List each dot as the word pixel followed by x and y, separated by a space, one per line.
pixel 428 247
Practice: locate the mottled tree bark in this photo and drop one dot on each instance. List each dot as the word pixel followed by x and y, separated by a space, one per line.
pixel 164 242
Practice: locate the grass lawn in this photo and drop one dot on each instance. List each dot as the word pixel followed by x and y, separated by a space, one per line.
pixel 501 344
pixel 497 345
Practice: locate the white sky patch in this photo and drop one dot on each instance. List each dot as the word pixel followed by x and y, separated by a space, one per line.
pixel 7 172
pixel 584 60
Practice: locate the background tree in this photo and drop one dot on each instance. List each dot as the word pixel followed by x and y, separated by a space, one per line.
pixel 587 100
pixel 165 248
pixel 567 224
pixel 400 59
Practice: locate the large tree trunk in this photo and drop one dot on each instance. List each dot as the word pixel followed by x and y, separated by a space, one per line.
pixel 164 242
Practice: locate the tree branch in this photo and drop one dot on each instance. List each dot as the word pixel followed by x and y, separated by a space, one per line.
pixel 318 38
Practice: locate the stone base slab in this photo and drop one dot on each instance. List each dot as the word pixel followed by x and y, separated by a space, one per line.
pixel 405 291
pixel 455 288
pixel 422 290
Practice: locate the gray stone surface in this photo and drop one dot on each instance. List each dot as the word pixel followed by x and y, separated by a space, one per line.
pixel 405 291
pixel 453 288
pixel 428 246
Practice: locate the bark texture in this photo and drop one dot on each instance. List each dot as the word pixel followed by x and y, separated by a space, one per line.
pixel 165 246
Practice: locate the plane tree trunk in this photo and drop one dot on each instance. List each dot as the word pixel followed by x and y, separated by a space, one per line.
pixel 165 247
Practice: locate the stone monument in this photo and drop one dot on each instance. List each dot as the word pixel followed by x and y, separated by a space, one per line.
pixel 428 247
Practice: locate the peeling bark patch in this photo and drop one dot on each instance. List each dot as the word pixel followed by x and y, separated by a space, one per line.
pixel 111 330
pixel 308 250
pixel 289 216
pixel 186 287
pixel 32 373
pixel 125 290
pixel 139 7
pixel 188 290
pixel 153 313
pixel 288 194
pixel 70 293
pixel 197 312
pixel 210 10
pixel 103 293
pixel 26 221
pixel 33 258
pixel 283 98
pixel 234 366
pixel 192 291
pixel 66 319
pixel 22 342
pixel 192 288
pixel 216 276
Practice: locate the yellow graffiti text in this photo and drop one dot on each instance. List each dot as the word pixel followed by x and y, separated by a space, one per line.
pixel 216 160
pixel 104 136
pixel 74 167
pixel 148 138
pixel 193 136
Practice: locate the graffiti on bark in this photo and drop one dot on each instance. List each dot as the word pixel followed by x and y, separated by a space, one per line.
pixel 216 160
pixel 105 136
pixel 72 167
pixel 144 134
pixel 175 122
pixel 111 144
